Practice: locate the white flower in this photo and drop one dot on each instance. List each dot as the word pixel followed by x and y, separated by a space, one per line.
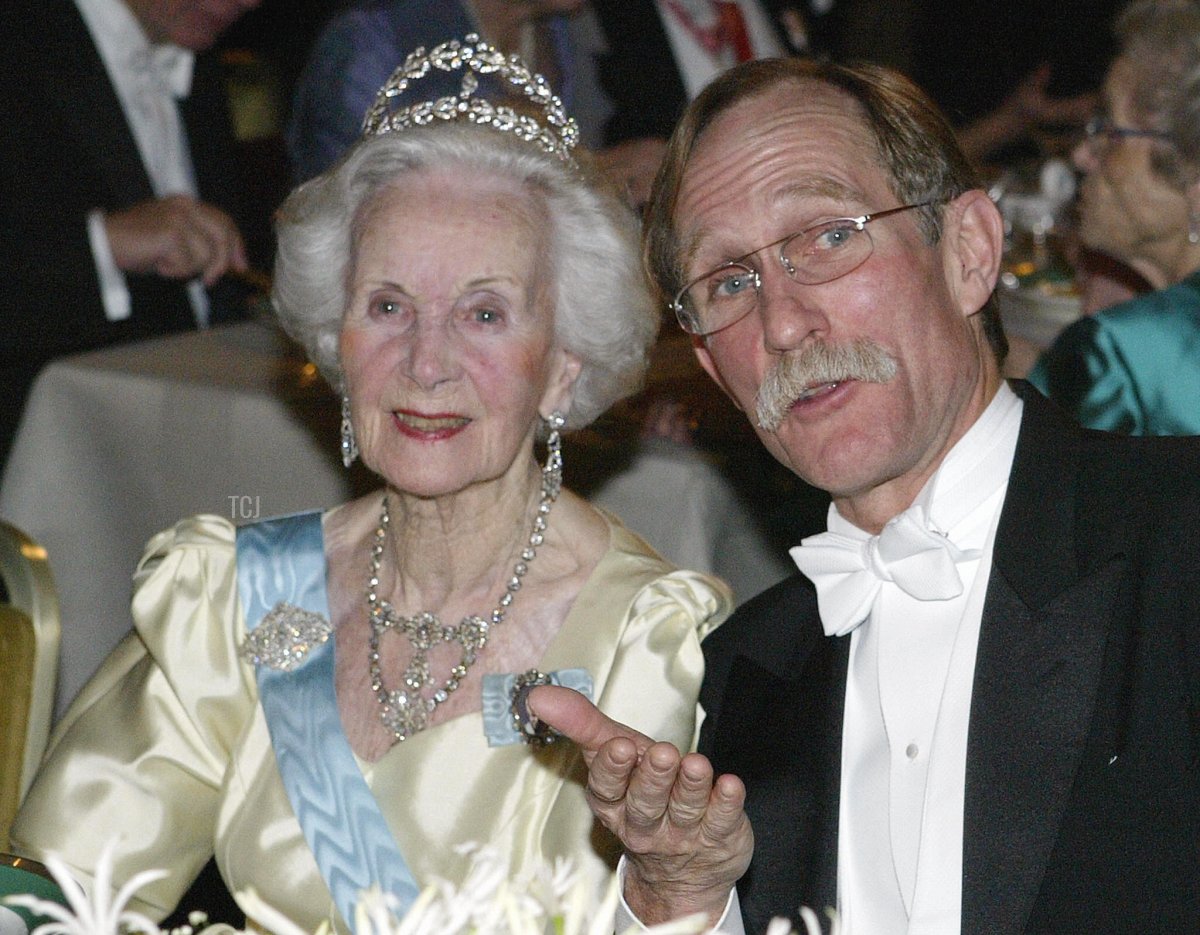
pixel 96 916
pixel 553 897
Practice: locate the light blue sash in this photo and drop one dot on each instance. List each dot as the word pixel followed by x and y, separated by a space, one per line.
pixel 282 561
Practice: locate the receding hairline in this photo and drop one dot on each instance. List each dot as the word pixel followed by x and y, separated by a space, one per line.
pixel 813 186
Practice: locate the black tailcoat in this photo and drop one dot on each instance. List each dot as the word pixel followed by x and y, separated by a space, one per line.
pixel 1082 797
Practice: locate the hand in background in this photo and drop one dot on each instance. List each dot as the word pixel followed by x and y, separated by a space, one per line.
pixel 1027 107
pixel 177 237
pixel 1033 106
pixel 686 836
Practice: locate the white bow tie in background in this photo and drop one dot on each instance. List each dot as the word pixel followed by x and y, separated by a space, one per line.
pixel 162 76
pixel 848 572
pixel 164 68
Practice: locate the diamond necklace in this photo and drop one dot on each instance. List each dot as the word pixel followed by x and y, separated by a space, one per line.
pixel 406 711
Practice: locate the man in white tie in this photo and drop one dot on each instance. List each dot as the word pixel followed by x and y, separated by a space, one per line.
pixel 121 178
pixel 977 708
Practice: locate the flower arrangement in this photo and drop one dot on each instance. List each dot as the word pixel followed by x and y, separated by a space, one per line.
pixel 94 916
pixel 554 899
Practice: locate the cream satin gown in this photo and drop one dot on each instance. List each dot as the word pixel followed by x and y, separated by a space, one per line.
pixel 167 752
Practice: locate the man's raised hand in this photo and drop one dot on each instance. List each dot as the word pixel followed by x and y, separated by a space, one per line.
pixel 686 836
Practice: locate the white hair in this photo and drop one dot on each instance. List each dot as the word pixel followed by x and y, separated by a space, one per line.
pixel 604 312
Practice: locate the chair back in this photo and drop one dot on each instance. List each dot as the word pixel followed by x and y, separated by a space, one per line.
pixel 29 635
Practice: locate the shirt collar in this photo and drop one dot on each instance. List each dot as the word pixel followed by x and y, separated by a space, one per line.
pixel 973 470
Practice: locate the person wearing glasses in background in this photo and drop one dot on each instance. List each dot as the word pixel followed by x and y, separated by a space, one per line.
pixel 1135 367
pixel 976 710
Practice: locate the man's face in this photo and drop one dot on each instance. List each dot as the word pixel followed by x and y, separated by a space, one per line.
pixel 192 24
pixel 792 157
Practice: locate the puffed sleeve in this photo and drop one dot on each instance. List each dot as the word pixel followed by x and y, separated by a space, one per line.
pixel 643 622
pixel 636 628
pixel 656 674
pixel 351 58
pixel 143 753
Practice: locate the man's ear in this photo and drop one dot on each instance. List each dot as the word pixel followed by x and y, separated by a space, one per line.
pixel 704 355
pixel 972 246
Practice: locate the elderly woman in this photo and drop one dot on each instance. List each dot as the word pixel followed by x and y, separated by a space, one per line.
pixel 332 701
pixel 1135 367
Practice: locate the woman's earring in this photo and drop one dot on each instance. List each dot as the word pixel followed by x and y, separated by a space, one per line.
pixel 349 445
pixel 552 472
pixel 1193 228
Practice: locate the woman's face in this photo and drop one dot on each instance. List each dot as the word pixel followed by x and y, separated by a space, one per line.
pixel 1126 208
pixel 447 343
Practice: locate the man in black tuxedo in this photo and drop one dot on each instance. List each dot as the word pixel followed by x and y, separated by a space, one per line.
pixel 111 236
pixel 640 70
pixel 653 57
pixel 977 710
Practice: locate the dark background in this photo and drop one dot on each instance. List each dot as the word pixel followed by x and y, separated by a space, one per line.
pixel 967 53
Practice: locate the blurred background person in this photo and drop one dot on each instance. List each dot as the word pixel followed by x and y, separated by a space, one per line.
pixel 361 45
pixel 470 294
pixel 1135 367
pixel 625 68
pixel 120 193
pixel 653 56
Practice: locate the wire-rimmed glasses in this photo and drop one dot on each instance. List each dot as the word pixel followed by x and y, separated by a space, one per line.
pixel 725 295
pixel 1100 128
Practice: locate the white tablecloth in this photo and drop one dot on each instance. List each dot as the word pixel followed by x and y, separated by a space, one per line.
pixel 682 505
pixel 1036 316
pixel 118 444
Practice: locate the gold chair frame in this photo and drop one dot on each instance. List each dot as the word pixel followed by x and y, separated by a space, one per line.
pixel 29 641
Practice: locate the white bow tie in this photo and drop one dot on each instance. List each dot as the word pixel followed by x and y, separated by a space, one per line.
pixel 849 572
pixel 165 66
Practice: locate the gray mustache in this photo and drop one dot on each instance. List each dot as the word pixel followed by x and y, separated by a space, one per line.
pixel 816 365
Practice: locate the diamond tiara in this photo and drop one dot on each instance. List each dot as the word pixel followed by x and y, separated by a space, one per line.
pixel 556 133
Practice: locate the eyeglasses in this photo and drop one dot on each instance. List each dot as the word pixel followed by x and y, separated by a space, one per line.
pixel 818 254
pixel 1101 127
